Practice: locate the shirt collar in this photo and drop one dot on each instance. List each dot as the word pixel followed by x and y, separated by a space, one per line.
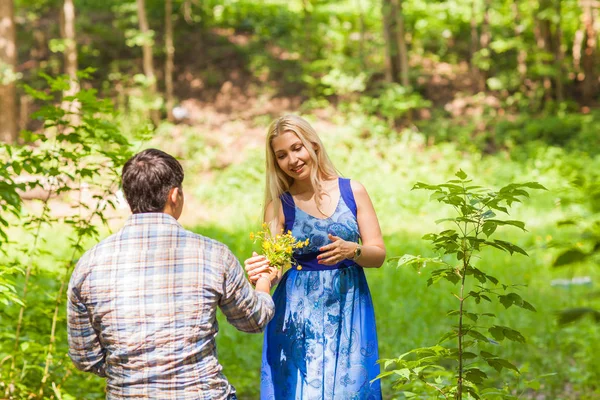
pixel 151 219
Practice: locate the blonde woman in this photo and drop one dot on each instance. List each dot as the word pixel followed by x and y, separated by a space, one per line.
pixel 322 341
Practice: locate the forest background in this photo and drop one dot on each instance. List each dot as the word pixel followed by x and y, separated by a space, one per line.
pixel 401 91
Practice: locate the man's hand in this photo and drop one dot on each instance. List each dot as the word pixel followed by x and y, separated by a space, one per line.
pixel 258 266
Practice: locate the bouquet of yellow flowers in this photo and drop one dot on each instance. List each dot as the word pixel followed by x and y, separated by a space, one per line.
pixel 279 248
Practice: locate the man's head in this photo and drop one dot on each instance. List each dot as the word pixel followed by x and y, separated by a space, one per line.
pixel 151 182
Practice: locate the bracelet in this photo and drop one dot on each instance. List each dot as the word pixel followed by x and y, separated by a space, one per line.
pixel 357 252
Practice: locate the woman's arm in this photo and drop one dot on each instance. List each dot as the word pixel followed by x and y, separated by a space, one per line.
pixel 372 249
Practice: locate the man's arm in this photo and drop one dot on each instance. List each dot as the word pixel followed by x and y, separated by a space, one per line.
pixel 246 309
pixel 85 349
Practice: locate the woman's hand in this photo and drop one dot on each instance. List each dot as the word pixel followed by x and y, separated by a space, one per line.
pixel 258 266
pixel 338 250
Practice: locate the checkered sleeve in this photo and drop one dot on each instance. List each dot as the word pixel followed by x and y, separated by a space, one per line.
pixel 85 349
pixel 246 309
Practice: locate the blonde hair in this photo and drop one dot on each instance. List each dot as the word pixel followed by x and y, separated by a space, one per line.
pixel 278 182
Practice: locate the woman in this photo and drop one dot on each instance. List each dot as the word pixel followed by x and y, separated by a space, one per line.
pixel 322 342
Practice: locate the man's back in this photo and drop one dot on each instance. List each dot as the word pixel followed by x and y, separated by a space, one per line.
pixel 151 292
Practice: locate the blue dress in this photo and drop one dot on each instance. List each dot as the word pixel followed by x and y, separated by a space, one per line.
pixel 322 341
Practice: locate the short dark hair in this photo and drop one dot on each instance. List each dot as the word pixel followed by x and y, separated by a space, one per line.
pixel 147 179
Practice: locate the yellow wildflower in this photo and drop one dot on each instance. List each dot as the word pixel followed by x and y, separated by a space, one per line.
pixel 278 249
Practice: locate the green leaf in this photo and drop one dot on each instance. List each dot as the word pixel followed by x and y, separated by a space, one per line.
pixel 511 248
pixel 570 256
pixel 477 335
pixel 488 214
pixel 507 364
pixel 574 314
pixel 486 298
pixel 510 299
pixel 475 375
pixel 421 185
pixel 499 363
pixel 404 373
pixel 500 332
pixel 489 228
pixel 497 333
pixel 533 384
pixel 485 354
pixel 494 364
pixel 492 279
pixel 518 224
pixel 439 196
pixel 448 336
pixel 472 392
pixel 473 317
pixel 528 306
pixel 534 185
pixel 461 174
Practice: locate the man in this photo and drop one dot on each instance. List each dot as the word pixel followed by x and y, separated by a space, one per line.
pixel 142 303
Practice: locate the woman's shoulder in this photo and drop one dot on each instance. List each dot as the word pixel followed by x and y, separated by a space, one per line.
pixel 357 187
pixel 270 208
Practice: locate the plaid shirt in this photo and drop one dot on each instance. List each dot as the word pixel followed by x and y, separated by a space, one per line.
pixel 142 310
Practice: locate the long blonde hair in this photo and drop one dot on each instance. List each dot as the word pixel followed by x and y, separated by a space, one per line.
pixel 278 182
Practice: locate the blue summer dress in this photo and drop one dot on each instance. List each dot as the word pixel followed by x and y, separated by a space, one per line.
pixel 322 341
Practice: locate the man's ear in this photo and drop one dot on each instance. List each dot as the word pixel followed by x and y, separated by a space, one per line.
pixel 173 195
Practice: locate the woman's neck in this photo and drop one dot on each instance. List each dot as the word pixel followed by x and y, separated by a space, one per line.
pixel 305 186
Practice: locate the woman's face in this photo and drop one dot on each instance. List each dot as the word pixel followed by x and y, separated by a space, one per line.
pixel 291 155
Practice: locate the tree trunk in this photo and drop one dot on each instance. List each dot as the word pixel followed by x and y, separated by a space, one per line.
pixel 392 63
pixel 387 38
pixel 484 42
pixel 522 54
pixel 401 43
pixel 588 59
pixel 577 45
pixel 147 57
pixel 558 54
pixel 170 51
pixel 361 39
pixel 474 44
pixel 543 37
pixel 8 62
pixel 307 12
pixel 68 33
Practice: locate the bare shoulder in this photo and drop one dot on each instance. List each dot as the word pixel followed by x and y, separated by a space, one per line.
pixel 357 187
pixel 269 211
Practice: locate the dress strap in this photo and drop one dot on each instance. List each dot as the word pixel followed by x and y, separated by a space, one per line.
pixel 347 195
pixel 289 210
